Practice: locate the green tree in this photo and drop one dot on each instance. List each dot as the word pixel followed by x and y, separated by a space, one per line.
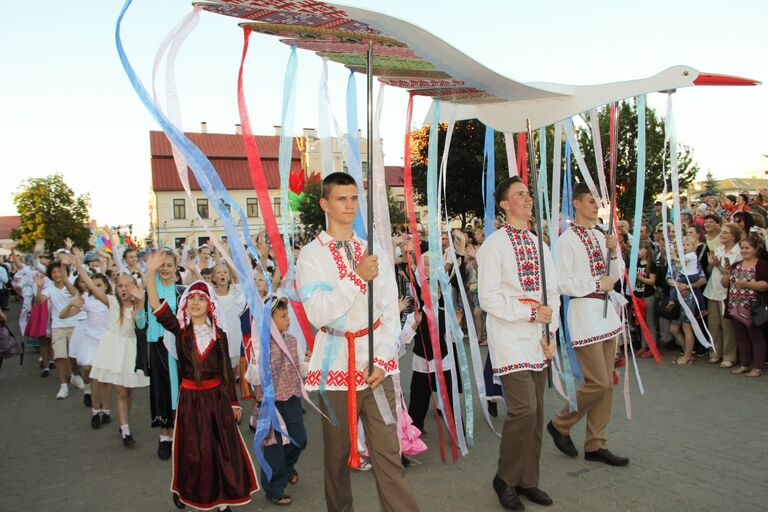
pixel 711 184
pixel 310 213
pixel 396 212
pixel 51 211
pixel 464 186
pixel 626 165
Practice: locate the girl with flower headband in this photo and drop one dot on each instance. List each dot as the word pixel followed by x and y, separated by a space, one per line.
pixel 212 468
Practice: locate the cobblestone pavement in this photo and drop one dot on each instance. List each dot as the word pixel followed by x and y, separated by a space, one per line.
pixel 698 441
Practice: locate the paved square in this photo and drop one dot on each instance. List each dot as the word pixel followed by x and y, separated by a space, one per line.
pixel 698 441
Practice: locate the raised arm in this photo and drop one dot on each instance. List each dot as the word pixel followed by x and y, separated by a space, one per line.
pixel 154 263
pixel 96 292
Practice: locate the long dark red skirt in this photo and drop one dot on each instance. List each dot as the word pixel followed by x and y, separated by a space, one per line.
pixel 211 463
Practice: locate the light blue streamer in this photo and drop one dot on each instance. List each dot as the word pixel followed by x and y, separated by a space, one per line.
pixel 214 189
pixel 355 167
pixel 489 168
pixel 640 194
pixel 286 149
pixel 543 178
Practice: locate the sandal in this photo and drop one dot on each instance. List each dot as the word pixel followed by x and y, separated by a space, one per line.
pixel 682 361
pixel 756 372
pixel 740 370
pixel 726 364
pixel 293 478
pixel 713 360
pixel 282 501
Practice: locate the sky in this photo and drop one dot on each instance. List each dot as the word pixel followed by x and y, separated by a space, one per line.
pixel 66 105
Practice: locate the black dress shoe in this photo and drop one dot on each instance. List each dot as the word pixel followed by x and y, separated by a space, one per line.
pixel 604 455
pixel 87 400
pixel 128 441
pixel 508 497
pixel 177 501
pixel 562 443
pixel 96 421
pixel 164 450
pixel 105 418
pixel 535 495
pixel 493 408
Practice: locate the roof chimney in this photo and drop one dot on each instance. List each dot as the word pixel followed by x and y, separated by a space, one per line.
pixel 238 129
pixel 277 129
pixel 203 127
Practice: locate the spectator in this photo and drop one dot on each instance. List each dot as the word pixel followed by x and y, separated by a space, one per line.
pixel 712 223
pixel 645 290
pixel 744 220
pixel 719 261
pixel 682 273
pixel 747 283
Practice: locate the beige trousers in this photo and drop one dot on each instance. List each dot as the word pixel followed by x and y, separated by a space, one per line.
pixel 722 332
pixel 395 492
pixel 594 396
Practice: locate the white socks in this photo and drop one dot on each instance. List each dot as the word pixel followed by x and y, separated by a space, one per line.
pixel 87 389
pixel 94 412
pixel 125 430
pixel 166 438
pixel 105 411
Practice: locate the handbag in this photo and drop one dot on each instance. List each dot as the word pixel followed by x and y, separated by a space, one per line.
pixel 667 307
pixel 10 346
pixel 742 313
pixel 759 313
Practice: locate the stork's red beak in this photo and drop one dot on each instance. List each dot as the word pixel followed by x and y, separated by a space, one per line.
pixel 713 79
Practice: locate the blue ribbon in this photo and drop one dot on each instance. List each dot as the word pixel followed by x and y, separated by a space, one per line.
pixel 489 170
pixel 640 194
pixel 286 149
pixel 355 167
pixel 214 189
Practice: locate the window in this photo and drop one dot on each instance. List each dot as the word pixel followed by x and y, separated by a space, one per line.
pixel 276 206
pixel 365 167
pixel 227 206
pixel 178 242
pixel 202 208
pixel 252 207
pixel 344 167
pixel 202 240
pixel 179 210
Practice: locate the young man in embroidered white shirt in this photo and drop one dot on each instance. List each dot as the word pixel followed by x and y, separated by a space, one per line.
pixel 333 275
pixel 581 271
pixel 510 292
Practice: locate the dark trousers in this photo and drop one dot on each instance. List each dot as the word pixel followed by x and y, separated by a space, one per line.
pixel 520 447
pixel 422 386
pixel 160 403
pixel 491 388
pixel 5 293
pixel 394 490
pixel 751 344
pixel 282 457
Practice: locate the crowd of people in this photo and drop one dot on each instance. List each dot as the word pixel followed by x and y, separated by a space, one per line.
pixel 176 321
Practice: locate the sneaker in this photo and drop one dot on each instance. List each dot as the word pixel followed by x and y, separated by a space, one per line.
pixel 45 372
pixel 63 392
pixel 87 400
pixel 77 381
pixel 364 465
pixel 105 418
pixel 96 421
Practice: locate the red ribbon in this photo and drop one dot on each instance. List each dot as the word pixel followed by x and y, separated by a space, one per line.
pixel 522 157
pixel 262 193
pixel 434 333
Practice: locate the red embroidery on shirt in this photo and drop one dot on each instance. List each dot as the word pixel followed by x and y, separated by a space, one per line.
pixel 341 265
pixel 526 257
pixel 594 253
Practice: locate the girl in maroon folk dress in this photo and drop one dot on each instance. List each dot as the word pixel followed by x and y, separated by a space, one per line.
pixel 211 464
